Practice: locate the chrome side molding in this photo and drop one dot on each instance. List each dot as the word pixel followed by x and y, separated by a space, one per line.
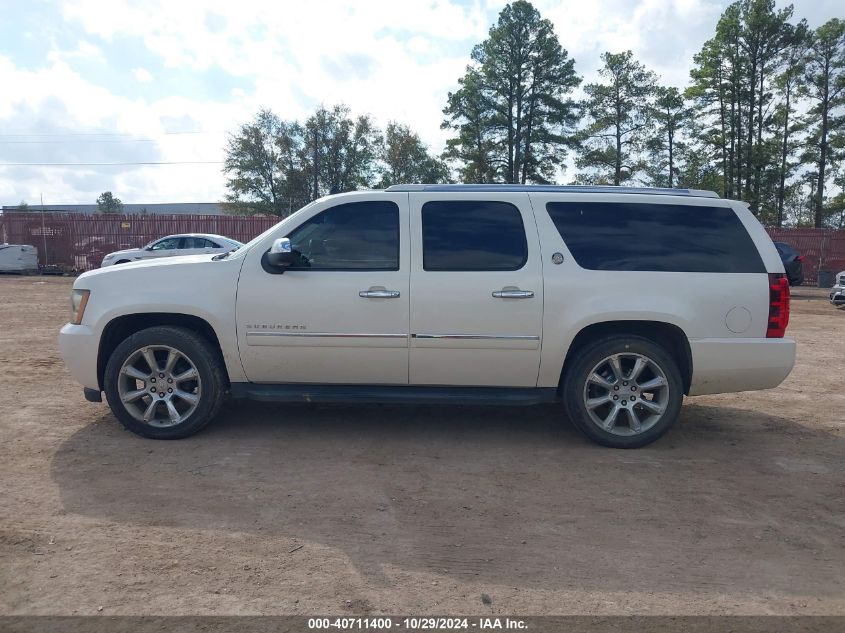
pixel 480 337
pixel 328 334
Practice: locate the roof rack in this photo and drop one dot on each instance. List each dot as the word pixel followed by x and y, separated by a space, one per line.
pixel 653 191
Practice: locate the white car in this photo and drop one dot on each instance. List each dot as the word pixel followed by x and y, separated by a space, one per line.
pixel 837 293
pixel 614 302
pixel 174 245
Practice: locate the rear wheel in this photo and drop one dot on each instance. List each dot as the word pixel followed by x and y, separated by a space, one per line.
pixel 164 382
pixel 623 391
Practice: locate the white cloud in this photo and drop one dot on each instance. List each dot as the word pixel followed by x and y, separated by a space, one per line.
pixel 85 107
pixel 84 50
pixel 664 34
pixel 142 75
pixel 395 60
pixel 295 55
pixel 292 51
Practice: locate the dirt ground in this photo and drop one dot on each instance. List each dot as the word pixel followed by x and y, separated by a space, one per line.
pixel 279 509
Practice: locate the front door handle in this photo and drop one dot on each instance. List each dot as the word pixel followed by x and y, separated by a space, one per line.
pixel 513 294
pixel 379 294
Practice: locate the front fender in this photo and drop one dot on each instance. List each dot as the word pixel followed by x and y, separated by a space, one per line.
pixel 197 287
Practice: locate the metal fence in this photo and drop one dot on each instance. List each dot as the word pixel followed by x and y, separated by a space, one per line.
pixel 823 249
pixel 75 241
pixel 78 241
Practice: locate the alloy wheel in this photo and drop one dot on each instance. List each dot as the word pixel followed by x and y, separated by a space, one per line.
pixel 159 385
pixel 626 394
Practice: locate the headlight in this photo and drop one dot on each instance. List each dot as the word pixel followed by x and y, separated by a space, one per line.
pixel 78 301
pixel 109 256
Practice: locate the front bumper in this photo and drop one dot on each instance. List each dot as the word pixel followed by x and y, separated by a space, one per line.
pixel 79 347
pixel 837 295
pixel 740 364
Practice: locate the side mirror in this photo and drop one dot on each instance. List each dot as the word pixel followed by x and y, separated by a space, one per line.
pixel 280 254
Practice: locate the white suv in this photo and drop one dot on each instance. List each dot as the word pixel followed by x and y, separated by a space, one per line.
pixel 613 301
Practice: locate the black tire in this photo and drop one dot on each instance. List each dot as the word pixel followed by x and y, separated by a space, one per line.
pixel 195 348
pixel 574 392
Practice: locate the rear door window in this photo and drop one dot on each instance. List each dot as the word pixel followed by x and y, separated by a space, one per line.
pixel 655 237
pixel 465 235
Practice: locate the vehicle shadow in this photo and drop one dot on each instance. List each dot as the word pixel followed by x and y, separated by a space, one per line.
pixel 730 498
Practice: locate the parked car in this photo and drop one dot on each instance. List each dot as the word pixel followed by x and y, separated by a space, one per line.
pixel 18 258
pixel 837 293
pixel 613 302
pixel 172 245
pixel 793 263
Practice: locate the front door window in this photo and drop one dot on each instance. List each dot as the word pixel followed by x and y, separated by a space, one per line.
pixel 168 244
pixel 354 236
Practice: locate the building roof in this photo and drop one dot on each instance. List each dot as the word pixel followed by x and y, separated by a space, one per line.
pixel 166 208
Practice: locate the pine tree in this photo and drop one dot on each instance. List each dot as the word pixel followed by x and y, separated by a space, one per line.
pixel 787 85
pixel 619 120
pixel 670 114
pixel 513 115
pixel 825 87
pixel 744 114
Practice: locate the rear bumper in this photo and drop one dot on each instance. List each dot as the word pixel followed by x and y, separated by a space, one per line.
pixel 79 350
pixel 740 364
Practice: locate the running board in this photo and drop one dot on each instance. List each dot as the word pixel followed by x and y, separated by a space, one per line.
pixel 399 394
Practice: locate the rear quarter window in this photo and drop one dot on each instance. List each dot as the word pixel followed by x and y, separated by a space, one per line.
pixel 655 237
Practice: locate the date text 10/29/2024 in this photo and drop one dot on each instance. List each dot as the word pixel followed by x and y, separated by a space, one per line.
pixel 417 624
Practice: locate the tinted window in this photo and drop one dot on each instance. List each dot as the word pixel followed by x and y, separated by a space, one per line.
pixel 472 235
pixel 354 236
pixel 655 237
pixel 199 242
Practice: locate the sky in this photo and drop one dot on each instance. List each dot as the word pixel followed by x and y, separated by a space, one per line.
pixel 150 81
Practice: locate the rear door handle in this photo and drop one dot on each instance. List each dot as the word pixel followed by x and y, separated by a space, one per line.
pixel 513 294
pixel 379 294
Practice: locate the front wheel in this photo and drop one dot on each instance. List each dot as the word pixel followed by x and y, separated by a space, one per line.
pixel 164 382
pixel 623 391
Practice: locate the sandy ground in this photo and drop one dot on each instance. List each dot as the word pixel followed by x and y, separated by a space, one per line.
pixel 418 510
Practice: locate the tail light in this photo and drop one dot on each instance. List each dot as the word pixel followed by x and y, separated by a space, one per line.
pixel 778 305
pixel 800 258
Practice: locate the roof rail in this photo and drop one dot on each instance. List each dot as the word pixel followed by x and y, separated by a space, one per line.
pixel 653 191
